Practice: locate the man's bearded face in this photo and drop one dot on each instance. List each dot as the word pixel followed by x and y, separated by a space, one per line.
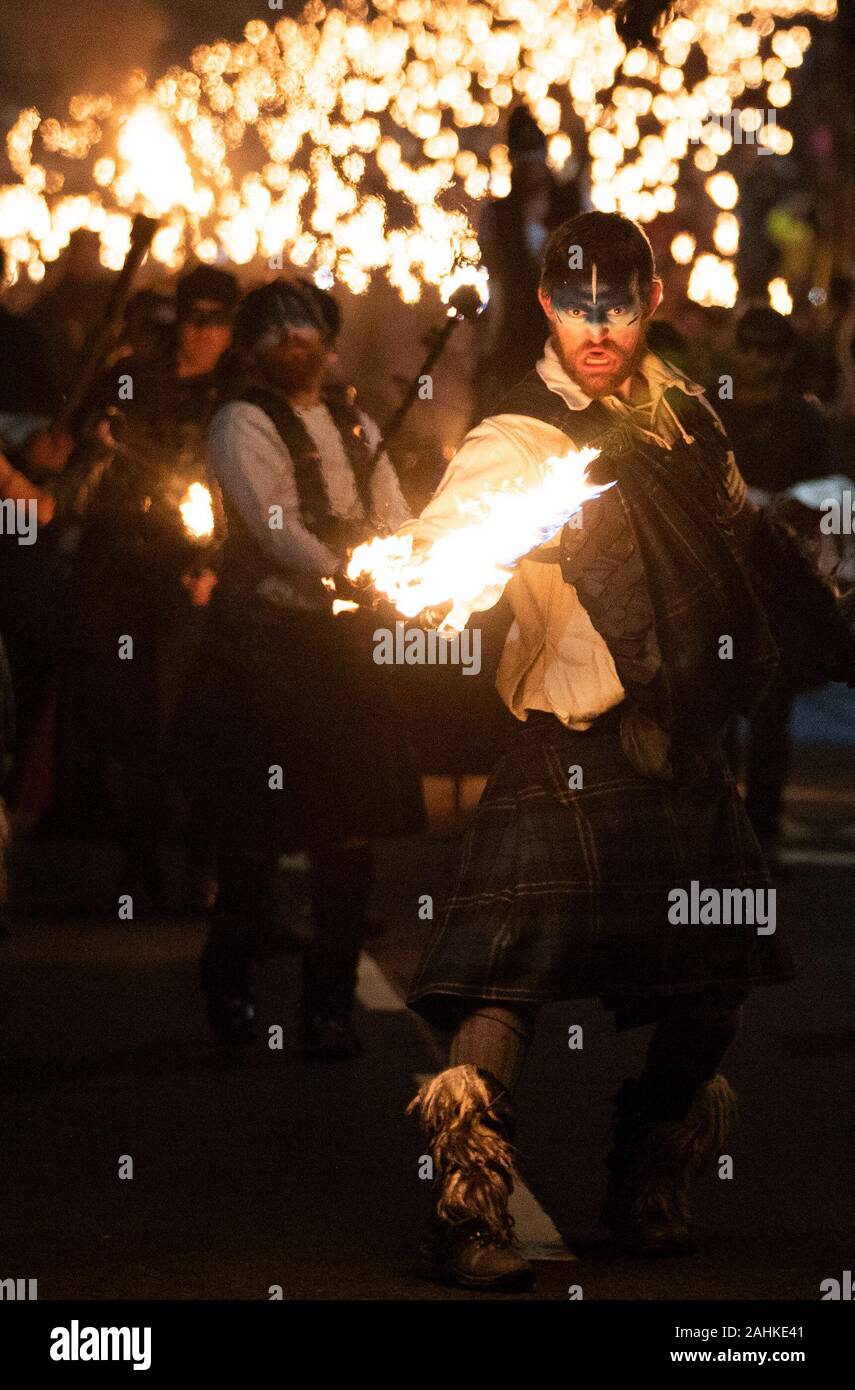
pixel 598 330
pixel 292 356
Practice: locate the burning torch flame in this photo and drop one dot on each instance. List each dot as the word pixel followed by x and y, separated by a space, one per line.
pixel 197 513
pixel 339 605
pixel 779 295
pixel 348 139
pixel 470 566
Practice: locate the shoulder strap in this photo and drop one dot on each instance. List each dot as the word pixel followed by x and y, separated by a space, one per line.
pixel 348 422
pixel 314 504
pixel 594 425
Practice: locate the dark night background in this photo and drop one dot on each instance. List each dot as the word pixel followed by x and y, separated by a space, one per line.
pixel 256 1170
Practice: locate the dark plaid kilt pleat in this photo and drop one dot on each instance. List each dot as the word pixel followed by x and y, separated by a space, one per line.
pixel 300 693
pixel 563 893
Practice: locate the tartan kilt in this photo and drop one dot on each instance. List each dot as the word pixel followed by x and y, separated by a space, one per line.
pixel 298 691
pixel 563 894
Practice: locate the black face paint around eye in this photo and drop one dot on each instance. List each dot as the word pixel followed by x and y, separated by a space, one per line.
pixel 597 303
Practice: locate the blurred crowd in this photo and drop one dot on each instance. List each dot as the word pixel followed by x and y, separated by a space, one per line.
pixel 131 525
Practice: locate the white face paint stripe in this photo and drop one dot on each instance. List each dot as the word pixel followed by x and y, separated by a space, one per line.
pixel 594 281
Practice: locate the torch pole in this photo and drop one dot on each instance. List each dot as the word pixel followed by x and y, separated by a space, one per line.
pixel 464 304
pixel 412 391
pixel 107 330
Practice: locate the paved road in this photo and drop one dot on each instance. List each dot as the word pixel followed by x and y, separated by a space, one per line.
pixel 254 1168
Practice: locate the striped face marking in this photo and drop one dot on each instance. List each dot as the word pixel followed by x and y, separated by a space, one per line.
pixel 597 304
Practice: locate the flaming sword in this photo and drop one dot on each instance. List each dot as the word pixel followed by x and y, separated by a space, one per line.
pixel 465 569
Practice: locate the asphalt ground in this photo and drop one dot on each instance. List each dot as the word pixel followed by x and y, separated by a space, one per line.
pixel 254 1168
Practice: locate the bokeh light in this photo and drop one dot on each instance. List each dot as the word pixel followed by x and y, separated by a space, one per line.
pixel 373 133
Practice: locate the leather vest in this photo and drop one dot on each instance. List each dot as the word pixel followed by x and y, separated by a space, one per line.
pixel 245 564
pixel 656 564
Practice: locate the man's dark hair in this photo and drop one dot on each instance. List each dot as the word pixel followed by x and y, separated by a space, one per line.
pixel 330 311
pixel 617 244
pixel 272 304
pixel 206 282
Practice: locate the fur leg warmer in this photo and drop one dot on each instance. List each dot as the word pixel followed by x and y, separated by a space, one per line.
pixel 466 1117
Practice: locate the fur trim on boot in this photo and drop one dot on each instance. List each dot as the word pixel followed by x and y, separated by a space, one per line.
pixel 466 1117
pixel 461 1113
pixel 653 1163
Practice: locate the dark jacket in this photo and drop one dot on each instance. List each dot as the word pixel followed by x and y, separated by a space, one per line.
pixel 698 595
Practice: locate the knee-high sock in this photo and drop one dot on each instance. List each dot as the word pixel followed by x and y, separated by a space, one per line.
pixel 495 1039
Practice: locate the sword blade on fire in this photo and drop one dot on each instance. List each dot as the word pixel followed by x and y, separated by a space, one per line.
pixel 465 569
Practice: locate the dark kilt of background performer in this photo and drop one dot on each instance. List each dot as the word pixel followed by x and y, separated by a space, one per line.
pixel 298 690
pixel 563 893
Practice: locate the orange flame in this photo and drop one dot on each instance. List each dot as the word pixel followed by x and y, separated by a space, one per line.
pixel 470 565
pixel 366 124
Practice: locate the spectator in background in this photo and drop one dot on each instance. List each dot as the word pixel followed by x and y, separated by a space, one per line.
pixel 70 307
pixel 32 456
pixel 26 387
pixel 825 364
pixel 172 366
pixel 142 573
pixel 512 235
pixel 149 327
pixel 780 439
pixel 291 684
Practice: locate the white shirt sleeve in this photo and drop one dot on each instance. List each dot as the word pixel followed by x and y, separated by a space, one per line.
pixel 388 501
pixel 499 450
pixel 255 471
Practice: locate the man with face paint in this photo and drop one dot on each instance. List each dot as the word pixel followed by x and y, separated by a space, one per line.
pixel 299 750
pixel 635 636
pixel 598 332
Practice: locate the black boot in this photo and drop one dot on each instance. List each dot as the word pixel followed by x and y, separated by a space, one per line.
pixel 653 1160
pixel 225 973
pixel 467 1119
pixel 231 1017
pixel 240 922
pixel 341 886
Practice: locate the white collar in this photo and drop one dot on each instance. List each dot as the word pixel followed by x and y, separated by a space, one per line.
pixel 660 377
